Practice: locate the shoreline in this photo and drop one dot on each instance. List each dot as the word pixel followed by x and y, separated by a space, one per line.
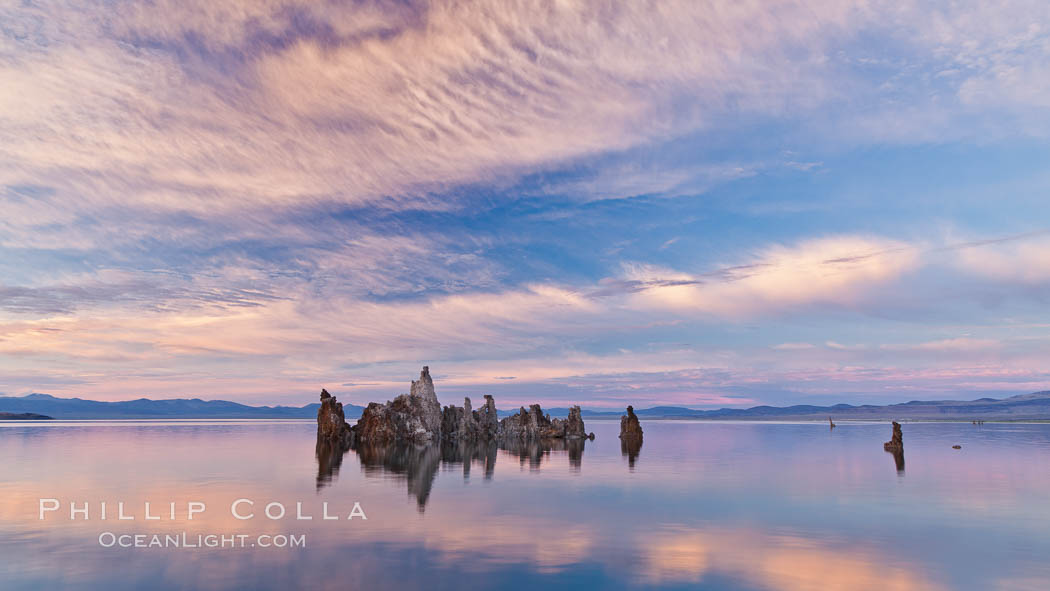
pixel 245 421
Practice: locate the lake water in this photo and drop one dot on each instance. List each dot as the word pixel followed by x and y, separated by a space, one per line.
pixel 704 506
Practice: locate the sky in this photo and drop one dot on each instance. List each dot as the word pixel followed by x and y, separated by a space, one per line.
pixel 697 203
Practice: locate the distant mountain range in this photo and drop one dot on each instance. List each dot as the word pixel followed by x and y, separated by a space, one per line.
pixel 144 408
pixel 1029 407
pixel 1022 407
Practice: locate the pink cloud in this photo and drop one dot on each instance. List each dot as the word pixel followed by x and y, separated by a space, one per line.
pixel 1018 261
pixel 794 346
pixel 961 344
pixel 839 270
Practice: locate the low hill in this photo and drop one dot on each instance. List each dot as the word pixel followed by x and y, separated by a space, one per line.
pixel 24 416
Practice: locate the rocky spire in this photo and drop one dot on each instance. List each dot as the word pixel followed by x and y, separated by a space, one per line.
pixel 415 416
pixel 423 389
pixel 896 442
pixel 334 437
pixel 488 422
pixel 331 423
pixel 574 428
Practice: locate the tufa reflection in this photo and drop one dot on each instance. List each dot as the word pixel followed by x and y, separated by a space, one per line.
pixel 418 465
pixel 630 447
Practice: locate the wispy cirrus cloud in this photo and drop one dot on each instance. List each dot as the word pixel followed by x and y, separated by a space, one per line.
pixel 217 107
pixel 213 106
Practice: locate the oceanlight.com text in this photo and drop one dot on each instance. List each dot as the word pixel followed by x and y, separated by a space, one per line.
pixel 201 541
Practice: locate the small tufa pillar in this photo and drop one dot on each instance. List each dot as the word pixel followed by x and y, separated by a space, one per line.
pixel 896 442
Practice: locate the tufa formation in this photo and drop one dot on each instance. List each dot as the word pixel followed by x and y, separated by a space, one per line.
pixel 414 417
pixel 630 436
pixel 630 428
pixel 533 424
pixel 895 446
pixel 417 417
pixel 331 423
pixel 896 442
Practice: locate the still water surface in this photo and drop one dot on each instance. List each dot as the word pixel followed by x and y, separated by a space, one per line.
pixel 701 505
